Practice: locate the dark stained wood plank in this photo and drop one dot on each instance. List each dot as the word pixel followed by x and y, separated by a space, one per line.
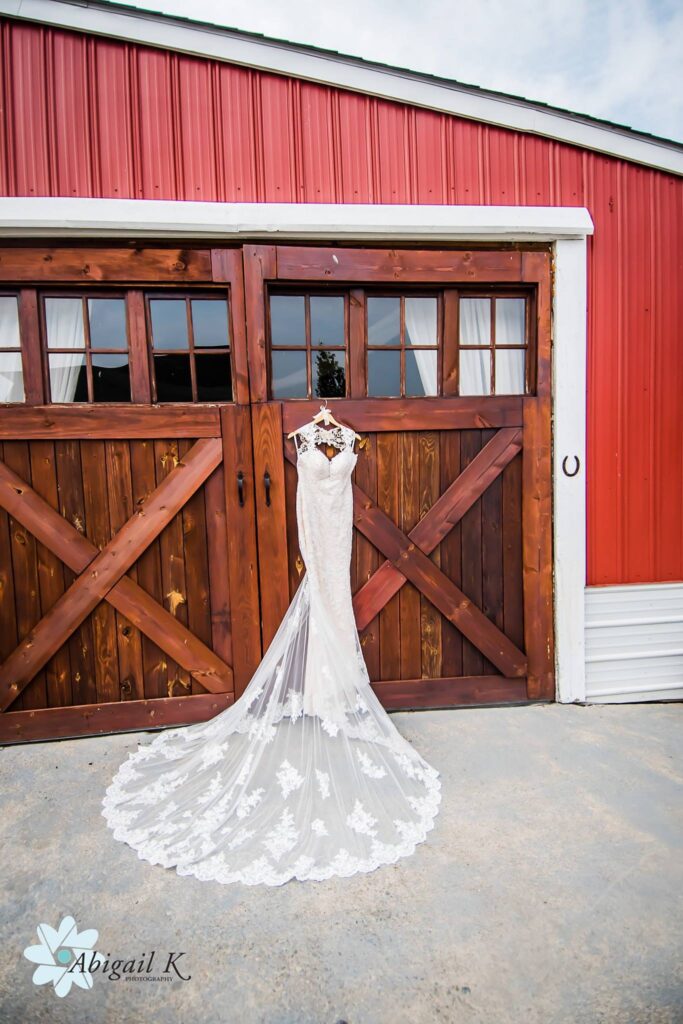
pixel 273 558
pixel 492 552
pixel 173 583
pixel 366 554
pixel 31 355
pixel 50 572
pixel 472 660
pixel 218 567
pixel 451 320
pixel 100 719
pixel 196 567
pixel 450 692
pixel 81 643
pixel 120 503
pixel 104 265
pixel 368 415
pixel 537 548
pixel 9 637
pixel 140 375
pixel 388 501
pixel 409 515
pixel 512 551
pixel 296 566
pixel 396 266
pixel 101 421
pixel 148 567
pixel 26 581
pixel 93 461
pixel 451 638
pixel 259 266
pixel 245 614
pixel 107 568
pixel 430 619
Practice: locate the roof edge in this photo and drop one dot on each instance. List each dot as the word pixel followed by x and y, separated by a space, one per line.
pixel 327 67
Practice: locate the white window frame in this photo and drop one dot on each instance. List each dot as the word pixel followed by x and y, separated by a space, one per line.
pixel 566 228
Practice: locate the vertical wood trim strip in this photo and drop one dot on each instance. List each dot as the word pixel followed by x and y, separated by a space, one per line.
pixel 241 544
pixel 537 549
pixel 140 383
pixel 31 354
pixel 259 265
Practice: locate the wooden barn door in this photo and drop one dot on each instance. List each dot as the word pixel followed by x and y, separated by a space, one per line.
pixel 128 582
pixel 452 562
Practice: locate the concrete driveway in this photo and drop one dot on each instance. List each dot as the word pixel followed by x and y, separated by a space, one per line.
pixel 550 890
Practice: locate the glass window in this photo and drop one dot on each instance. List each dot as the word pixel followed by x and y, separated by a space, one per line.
pixel 87 348
pixel 308 346
pixel 493 342
pixel 191 360
pixel 403 345
pixel 11 372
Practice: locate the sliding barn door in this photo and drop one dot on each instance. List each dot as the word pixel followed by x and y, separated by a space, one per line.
pixel 440 360
pixel 128 580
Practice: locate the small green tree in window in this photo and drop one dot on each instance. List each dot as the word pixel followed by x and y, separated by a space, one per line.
pixel 331 381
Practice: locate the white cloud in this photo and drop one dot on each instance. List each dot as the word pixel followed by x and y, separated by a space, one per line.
pixel 616 59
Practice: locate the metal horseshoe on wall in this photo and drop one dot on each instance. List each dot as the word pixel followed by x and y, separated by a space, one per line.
pixel 564 465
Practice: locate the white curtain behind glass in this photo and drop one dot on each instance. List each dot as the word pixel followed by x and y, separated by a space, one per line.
pixel 421 330
pixel 475 329
pixel 11 376
pixel 64 321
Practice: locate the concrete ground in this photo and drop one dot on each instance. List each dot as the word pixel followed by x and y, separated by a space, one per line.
pixel 550 890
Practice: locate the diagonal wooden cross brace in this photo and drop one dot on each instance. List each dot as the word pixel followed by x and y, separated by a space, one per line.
pixel 102 575
pixel 407 556
pixel 458 497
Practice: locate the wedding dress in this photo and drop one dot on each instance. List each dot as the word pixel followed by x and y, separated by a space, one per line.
pixel 305 776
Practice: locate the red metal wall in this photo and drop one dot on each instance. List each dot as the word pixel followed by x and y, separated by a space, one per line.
pixel 86 116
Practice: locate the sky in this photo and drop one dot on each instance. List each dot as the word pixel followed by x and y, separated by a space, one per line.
pixel 617 59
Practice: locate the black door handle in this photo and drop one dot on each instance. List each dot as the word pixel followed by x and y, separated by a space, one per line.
pixel 240 488
pixel 266 481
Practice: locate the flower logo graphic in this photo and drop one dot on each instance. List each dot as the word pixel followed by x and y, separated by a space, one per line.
pixel 58 953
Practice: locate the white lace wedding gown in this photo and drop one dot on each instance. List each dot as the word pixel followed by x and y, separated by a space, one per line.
pixel 305 776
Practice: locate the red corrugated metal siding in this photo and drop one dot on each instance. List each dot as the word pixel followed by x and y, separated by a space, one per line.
pixel 92 117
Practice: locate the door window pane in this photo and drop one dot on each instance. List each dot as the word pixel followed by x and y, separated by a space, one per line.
pixel 110 377
pixel 384 321
pixel 327 320
pixel 210 323
pixel 475 322
pixel 9 322
pixel 107 321
pixel 420 321
pixel 11 377
pixel 172 373
pixel 384 373
pixel 214 380
pixel 510 327
pixel 64 323
pixel 68 381
pixel 475 372
pixel 421 370
pixel 289 375
pixel 329 374
pixel 510 371
pixel 169 324
pixel 287 320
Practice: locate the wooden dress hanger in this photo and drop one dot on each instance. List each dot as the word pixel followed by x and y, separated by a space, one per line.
pixel 325 415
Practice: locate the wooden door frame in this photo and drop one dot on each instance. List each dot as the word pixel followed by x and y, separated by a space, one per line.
pixel 284 264
pixel 565 228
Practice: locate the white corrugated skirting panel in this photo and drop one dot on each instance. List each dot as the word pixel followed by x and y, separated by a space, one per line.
pixel 634 643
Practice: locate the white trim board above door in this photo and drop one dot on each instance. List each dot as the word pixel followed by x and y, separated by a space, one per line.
pixel 565 227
